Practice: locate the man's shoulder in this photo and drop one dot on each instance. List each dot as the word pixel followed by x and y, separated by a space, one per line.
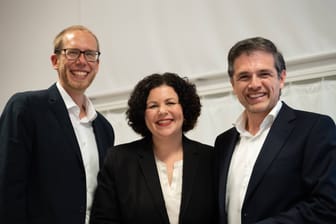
pixel 28 94
pixel 22 99
pixel 229 131
pixel 103 121
pixel 303 118
pixel 304 114
pixel 227 135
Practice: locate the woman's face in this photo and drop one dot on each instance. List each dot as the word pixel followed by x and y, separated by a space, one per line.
pixel 164 114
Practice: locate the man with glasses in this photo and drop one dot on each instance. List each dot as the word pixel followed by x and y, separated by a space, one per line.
pixel 53 142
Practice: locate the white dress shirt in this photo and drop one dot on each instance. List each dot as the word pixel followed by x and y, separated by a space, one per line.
pixel 243 159
pixel 171 192
pixel 87 143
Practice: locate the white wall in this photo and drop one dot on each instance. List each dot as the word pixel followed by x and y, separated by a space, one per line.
pixel 190 37
pixel 27 31
pixel 310 85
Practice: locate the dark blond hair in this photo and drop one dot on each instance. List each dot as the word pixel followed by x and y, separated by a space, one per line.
pixel 58 41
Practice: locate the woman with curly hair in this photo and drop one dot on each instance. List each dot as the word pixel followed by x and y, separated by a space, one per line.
pixel 163 177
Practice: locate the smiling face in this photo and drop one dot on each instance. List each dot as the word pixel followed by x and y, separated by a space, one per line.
pixel 76 75
pixel 256 83
pixel 164 115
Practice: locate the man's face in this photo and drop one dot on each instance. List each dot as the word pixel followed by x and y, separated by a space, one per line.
pixel 76 75
pixel 256 83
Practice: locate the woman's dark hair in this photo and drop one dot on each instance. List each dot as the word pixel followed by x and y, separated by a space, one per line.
pixel 185 90
pixel 254 44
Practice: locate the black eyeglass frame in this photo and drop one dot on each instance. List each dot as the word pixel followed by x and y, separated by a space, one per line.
pixel 86 52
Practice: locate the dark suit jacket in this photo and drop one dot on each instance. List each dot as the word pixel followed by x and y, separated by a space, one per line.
pixel 294 177
pixel 129 188
pixel 42 177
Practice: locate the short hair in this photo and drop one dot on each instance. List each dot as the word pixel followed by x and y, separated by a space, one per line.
pixel 255 44
pixel 58 41
pixel 185 90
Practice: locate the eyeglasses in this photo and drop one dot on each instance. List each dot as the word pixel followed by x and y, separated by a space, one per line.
pixel 74 54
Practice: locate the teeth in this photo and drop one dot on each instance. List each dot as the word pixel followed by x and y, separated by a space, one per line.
pixel 163 121
pixel 80 73
pixel 256 95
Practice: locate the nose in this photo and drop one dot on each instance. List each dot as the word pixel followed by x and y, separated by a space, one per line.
pixel 254 83
pixel 81 58
pixel 162 109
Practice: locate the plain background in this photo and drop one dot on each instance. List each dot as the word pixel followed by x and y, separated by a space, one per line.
pixel 188 37
pixel 140 37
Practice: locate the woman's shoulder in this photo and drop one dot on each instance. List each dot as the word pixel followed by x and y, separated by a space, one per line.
pixel 198 144
pixel 132 147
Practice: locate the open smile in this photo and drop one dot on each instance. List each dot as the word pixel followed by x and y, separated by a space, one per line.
pixel 164 122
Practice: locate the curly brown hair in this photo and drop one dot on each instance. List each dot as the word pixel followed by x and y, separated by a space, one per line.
pixel 187 94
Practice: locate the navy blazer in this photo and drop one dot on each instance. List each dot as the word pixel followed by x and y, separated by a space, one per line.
pixel 129 189
pixel 42 176
pixel 294 177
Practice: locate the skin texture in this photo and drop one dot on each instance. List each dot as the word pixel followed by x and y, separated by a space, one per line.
pixel 256 83
pixel 76 75
pixel 164 115
pixel 164 118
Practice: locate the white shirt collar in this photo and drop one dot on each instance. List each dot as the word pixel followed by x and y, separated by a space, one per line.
pixel 71 106
pixel 240 123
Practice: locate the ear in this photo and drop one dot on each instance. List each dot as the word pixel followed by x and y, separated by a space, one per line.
pixel 232 84
pixel 54 61
pixel 97 66
pixel 283 76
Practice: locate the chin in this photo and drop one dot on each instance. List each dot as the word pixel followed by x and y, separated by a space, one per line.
pixel 257 108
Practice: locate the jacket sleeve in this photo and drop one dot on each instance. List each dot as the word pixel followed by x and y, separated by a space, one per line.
pixel 15 148
pixel 318 178
pixel 105 208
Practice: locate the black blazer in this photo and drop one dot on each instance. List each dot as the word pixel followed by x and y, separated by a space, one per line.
pixel 129 189
pixel 42 177
pixel 294 177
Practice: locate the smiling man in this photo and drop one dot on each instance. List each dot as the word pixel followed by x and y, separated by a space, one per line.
pixel 277 164
pixel 53 142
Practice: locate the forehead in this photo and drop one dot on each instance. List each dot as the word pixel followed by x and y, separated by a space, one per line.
pixel 79 39
pixel 162 92
pixel 254 59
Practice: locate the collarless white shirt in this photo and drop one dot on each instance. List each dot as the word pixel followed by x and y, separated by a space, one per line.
pixel 171 192
pixel 243 159
pixel 87 143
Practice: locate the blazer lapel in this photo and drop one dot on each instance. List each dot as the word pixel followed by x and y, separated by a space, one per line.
pixel 60 112
pixel 149 170
pixel 98 129
pixel 190 164
pixel 279 132
pixel 224 163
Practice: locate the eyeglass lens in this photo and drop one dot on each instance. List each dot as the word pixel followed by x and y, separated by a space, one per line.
pixel 73 54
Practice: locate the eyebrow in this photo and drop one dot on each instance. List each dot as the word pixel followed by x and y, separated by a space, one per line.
pixel 154 101
pixel 258 71
pixel 265 70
